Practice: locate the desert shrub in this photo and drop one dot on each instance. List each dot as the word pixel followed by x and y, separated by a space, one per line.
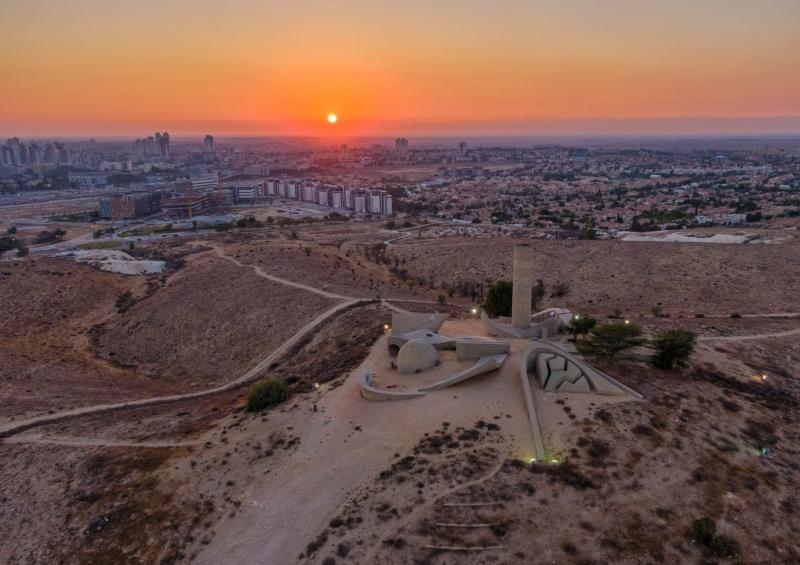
pixel 736 315
pixel 498 299
pixel 581 325
pixel 561 289
pixel 673 348
pixel 723 546
pixel 537 293
pixel 702 530
pixel 124 301
pixel 22 251
pixel 46 236
pixel 6 244
pixel 267 393
pixel 609 339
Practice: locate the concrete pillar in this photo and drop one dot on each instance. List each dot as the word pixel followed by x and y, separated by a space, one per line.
pixel 523 285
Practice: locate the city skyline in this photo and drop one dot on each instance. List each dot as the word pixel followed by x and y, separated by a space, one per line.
pixel 570 68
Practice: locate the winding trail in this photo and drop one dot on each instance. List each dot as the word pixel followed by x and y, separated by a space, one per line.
pixel 261 273
pixel 96 442
pixel 13 427
pixel 785 333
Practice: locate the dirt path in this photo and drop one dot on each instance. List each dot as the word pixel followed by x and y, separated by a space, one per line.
pixel 261 273
pixel 10 428
pixel 343 446
pixel 95 442
pixel 14 427
pixel 749 337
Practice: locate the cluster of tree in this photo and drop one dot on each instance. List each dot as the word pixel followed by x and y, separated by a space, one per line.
pixel 672 347
pixel 498 297
pixel 46 236
pixel 98 233
pixel 9 243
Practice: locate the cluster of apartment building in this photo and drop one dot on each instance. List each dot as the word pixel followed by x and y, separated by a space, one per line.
pixel 359 200
pixel 19 154
pixel 153 146
pixel 130 206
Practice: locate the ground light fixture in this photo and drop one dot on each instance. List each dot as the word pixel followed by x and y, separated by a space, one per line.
pixel 386 327
pixel 627 321
pixel 474 311
pixel 316 386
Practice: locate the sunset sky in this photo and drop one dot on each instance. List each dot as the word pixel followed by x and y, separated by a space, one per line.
pixel 524 67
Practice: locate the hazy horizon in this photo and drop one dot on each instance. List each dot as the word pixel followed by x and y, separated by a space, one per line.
pixel 577 67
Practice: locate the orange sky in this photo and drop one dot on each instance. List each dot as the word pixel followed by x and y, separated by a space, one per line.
pixel 260 67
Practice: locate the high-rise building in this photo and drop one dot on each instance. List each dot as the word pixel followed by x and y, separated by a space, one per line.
pixel 462 148
pixel 34 154
pixel 360 202
pixel 401 146
pixel 375 199
pixel 162 145
pixel 208 144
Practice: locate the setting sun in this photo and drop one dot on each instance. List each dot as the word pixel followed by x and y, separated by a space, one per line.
pixel 332 118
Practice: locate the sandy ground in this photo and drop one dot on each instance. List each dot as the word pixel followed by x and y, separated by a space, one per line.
pixel 632 277
pixel 331 475
pixel 347 442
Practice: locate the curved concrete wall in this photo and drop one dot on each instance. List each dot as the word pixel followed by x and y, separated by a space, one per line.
pixel 570 377
pixel 466 350
pixel 483 365
pixel 370 392
pixel 404 322
pixel 523 283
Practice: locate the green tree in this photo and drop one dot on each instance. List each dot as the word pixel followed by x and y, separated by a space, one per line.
pixel 6 244
pixel 581 325
pixel 497 301
pixel 267 393
pixel 12 230
pixel 124 301
pixel 673 348
pixel 537 293
pixel 609 339
pixel 22 251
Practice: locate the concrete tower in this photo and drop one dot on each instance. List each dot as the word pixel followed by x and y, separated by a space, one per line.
pixel 523 285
